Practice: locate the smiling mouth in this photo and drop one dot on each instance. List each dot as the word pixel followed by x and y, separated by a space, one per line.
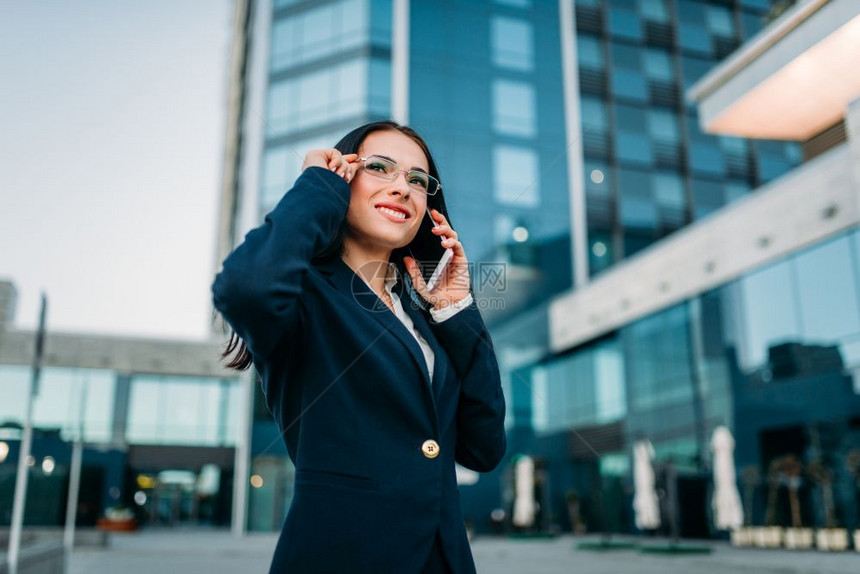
pixel 392 214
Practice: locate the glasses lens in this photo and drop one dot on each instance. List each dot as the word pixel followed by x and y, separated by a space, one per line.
pixel 419 181
pixel 380 167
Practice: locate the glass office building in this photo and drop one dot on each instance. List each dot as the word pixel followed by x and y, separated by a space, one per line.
pixel 484 82
pixel 159 418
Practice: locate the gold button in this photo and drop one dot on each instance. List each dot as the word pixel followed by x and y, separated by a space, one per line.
pixel 430 448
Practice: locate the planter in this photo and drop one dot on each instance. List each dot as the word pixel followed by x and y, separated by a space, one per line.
pixel 767 536
pixel 798 538
pixel 857 540
pixel 831 539
pixel 743 537
pixel 116 525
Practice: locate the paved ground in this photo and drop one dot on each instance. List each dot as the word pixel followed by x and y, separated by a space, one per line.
pixel 216 552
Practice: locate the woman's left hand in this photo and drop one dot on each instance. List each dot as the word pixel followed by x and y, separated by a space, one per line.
pixel 454 283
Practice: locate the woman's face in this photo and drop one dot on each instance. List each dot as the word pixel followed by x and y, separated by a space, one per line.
pixel 366 222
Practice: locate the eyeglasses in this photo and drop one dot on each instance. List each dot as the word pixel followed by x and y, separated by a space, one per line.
pixel 386 169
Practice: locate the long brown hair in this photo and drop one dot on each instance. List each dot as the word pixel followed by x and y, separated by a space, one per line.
pixel 420 248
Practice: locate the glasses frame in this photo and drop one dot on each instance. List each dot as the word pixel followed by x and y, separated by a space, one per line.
pixel 405 172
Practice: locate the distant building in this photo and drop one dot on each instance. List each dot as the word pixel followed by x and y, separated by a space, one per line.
pixel 160 425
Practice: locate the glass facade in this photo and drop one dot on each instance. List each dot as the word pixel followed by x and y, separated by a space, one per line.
pixel 636 59
pixel 774 355
pixel 132 424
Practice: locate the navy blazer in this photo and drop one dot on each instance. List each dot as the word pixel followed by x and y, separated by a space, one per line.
pixel 348 386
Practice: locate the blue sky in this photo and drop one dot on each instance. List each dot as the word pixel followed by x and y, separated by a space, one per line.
pixel 112 122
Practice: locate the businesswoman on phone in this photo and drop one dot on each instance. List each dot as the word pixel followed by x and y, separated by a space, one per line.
pixel 377 384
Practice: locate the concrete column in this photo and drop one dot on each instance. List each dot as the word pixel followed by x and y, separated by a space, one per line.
pixel 121 401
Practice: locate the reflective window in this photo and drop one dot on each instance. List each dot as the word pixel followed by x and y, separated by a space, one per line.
pixel 379 89
pixel 514 108
pixel 653 10
pixel 658 355
pixel 692 29
pixel 694 69
pixel 282 165
pixel 516 176
pixel 658 65
pixel 590 52
pixel 320 97
pixel 512 43
pixel 323 31
pixel 594 114
pixel 583 389
pixel 663 126
pixel 58 404
pixel 636 204
pixel 719 21
pixel 736 190
pixel 768 309
pixel 625 24
pixel 828 292
pixel 516 3
pixel 180 410
pixel 628 81
pixel 773 158
pixel 380 22
pixel 751 24
pixel 707 197
pixel 669 189
pixel 632 143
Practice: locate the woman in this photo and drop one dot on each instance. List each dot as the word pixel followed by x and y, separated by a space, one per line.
pixel 376 396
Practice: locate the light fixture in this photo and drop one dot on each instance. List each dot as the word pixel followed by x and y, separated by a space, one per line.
pixel 4 451
pixel 48 465
pixel 256 481
pixel 520 234
pixel 597 176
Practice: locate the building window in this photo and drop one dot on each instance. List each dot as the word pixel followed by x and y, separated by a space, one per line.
pixel 628 83
pixel 283 164
pixel 590 52
pixel 719 21
pixel 322 31
pixel 669 190
pixel 516 174
pixel 658 65
pixel 58 403
pixel 514 108
pixel 693 35
pixel 515 3
pixel 636 203
pixel 512 43
pixel 317 98
pixel 653 10
pixel 632 143
pixel 181 410
pixel 663 127
pixel 625 24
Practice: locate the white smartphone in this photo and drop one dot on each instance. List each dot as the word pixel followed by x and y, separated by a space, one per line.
pixel 443 262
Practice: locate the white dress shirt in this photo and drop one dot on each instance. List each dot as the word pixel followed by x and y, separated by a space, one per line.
pixel 438 315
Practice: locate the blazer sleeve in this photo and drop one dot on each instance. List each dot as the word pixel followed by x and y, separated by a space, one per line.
pixel 258 291
pixel 481 439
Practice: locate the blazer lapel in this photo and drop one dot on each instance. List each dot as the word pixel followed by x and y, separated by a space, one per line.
pixel 419 319
pixel 346 281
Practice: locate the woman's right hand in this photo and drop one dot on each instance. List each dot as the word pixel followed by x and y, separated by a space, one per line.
pixel 332 160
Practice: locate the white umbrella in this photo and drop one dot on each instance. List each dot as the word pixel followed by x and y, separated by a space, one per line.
pixel 728 512
pixel 645 502
pixel 524 489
